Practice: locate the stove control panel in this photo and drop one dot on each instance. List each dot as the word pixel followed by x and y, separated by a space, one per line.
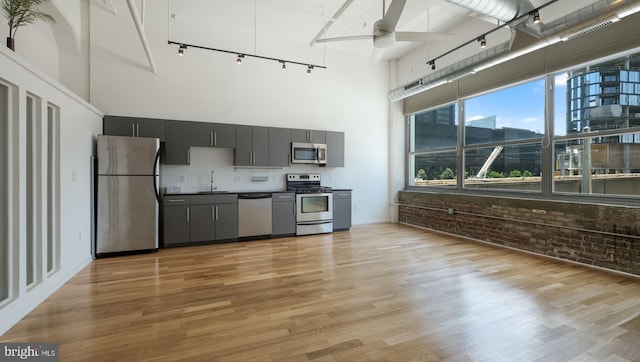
pixel 303 177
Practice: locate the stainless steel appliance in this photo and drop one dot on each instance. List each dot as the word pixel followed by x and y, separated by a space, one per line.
pixel 254 215
pixel 315 153
pixel 127 198
pixel 314 204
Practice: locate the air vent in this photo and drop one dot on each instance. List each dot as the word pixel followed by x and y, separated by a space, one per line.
pixel 413 85
pixel 589 30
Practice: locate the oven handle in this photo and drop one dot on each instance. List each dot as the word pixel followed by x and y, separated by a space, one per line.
pixel 320 222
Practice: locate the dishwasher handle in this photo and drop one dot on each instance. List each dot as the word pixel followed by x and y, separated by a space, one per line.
pixel 254 196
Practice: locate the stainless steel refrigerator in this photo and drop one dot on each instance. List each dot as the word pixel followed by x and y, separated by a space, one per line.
pixel 127 201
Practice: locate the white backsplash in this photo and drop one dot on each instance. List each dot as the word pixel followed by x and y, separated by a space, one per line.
pixel 196 176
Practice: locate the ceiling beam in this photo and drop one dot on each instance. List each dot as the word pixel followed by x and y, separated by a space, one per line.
pixel 143 36
pixel 326 26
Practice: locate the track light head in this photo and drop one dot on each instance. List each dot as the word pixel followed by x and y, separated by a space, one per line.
pixel 239 59
pixel 284 65
pixel 536 17
pixel 483 42
pixel 309 67
pixel 432 63
pixel 181 49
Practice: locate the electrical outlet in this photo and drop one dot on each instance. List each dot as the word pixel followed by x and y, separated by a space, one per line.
pixel 183 179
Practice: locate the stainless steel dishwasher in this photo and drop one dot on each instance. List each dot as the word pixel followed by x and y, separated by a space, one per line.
pixel 254 214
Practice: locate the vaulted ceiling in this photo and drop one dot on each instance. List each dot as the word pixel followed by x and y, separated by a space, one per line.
pixel 269 26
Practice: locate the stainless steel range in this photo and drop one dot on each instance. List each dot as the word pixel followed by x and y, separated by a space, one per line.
pixel 314 203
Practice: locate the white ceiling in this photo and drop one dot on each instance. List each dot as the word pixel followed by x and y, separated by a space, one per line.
pixel 284 28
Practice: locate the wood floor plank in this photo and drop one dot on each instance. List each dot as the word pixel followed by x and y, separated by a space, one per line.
pixel 383 292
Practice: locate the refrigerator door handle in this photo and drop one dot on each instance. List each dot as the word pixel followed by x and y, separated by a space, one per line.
pixel 155 173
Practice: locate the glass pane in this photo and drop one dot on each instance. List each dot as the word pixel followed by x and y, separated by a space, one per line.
pixel 315 204
pixel 509 114
pixel 602 96
pixel 598 165
pixel 434 129
pixel 435 169
pixel 507 168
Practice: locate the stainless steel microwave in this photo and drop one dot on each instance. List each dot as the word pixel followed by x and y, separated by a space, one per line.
pixel 315 153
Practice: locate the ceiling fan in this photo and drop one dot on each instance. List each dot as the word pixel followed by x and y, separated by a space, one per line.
pixel 385 34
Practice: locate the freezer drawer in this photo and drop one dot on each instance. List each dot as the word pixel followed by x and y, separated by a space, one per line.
pixel 127 155
pixel 127 214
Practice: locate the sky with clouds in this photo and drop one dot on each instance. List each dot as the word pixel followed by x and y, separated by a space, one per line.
pixel 521 106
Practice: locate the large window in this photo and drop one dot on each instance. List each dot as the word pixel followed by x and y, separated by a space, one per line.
pixel 433 140
pixel 507 143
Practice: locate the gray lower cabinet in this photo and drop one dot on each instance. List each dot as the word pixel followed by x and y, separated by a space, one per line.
pixel 341 210
pixel 283 213
pixel 177 143
pixel 175 220
pixel 335 149
pixel 199 218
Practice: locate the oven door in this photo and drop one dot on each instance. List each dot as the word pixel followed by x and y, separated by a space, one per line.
pixel 314 207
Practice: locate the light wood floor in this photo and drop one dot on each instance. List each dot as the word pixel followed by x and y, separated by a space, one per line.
pixel 377 292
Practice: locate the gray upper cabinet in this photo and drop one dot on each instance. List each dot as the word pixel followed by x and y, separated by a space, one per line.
pixel 279 147
pixel 134 127
pixel 224 135
pixel 205 134
pixel 252 146
pixel 178 140
pixel 335 149
pixel 308 135
pixel 201 134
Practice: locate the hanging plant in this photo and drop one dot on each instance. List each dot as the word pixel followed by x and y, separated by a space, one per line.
pixel 22 12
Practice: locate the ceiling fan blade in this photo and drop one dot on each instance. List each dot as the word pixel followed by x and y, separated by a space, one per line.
pixel 421 36
pixel 376 56
pixel 390 19
pixel 343 38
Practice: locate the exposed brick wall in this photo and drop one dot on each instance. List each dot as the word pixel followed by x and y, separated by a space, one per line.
pixel 600 235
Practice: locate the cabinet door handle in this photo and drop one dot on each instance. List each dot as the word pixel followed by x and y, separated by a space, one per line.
pixel 251 158
pixel 213 213
pixel 211 143
pixel 215 138
pixel 176 200
pixel 217 213
pixel 133 129
pixel 188 155
pixel 188 215
pixel 137 129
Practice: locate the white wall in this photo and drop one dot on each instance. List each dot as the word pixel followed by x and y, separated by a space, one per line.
pixel 349 96
pixel 79 122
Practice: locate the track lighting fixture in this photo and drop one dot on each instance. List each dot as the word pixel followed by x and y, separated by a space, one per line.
pixel 483 42
pixel 433 64
pixel 240 56
pixel 536 17
pixel 181 49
